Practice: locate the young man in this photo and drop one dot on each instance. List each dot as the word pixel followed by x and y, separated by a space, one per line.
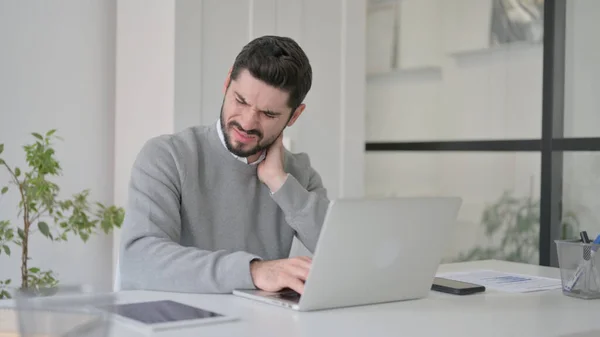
pixel 215 208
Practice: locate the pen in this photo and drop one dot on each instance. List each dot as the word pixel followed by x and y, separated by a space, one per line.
pixel 581 268
pixel 596 242
pixel 592 266
pixel 584 237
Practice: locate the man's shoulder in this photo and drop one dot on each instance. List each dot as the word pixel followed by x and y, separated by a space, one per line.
pixel 299 165
pixel 299 161
pixel 183 143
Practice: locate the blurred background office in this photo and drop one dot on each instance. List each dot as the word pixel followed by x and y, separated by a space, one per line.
pixel 473 98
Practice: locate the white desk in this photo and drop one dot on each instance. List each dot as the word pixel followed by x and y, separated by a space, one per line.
pixel 548 313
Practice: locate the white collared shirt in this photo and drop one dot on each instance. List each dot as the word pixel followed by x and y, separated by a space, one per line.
pixel 242 159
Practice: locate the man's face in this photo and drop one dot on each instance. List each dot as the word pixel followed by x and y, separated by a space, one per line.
pixel 253 114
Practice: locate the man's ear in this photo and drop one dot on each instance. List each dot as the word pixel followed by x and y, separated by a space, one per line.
pixel 227 81
pixel 296 114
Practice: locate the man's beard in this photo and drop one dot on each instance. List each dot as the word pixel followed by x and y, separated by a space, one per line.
pixel 259 147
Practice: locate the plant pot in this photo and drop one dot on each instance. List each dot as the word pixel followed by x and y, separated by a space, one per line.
pixel 15 292
pixel 38 292
pixel 59 311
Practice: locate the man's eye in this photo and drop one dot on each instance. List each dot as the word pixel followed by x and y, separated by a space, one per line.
pixel 269 115
pixel 241 102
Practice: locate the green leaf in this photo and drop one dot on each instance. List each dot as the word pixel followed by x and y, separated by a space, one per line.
pixel 2 162
pixel 34 270
pixel 7 282
pixel 17 171
pixel 120 217
pixel 84 236
pixel 1 148
pixel 4 190
pixel 6 249
pixel 21 234
pixel 38 136
pixel 50 133
pixel 44 229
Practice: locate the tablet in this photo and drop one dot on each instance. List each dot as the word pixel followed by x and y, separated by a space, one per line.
pixel 164 315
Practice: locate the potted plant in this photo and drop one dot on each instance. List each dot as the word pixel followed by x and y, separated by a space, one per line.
pixel 513 223
pixel 40 211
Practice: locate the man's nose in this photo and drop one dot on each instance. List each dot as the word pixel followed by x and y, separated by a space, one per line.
pixel 249 119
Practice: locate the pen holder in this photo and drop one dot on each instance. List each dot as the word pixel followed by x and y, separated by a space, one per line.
pixel 579 265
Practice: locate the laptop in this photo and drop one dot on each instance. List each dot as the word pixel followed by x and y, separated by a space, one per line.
pixel 372 250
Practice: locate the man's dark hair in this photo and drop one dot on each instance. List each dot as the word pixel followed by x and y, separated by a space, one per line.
pixel 279 62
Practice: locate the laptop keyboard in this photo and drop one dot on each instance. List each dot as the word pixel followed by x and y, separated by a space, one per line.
pixel 289 295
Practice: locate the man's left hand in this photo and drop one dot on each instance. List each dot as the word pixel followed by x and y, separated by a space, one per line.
pixel 270 170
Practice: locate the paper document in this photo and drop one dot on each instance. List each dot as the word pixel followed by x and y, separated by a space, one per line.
pixel 507 282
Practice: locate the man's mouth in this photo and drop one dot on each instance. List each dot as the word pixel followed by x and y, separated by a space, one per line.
pixel 243 137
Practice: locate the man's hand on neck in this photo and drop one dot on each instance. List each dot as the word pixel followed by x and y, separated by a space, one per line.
pixel 270 170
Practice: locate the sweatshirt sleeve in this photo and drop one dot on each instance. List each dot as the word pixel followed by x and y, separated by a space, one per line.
pixel 304 207
pixel 151 257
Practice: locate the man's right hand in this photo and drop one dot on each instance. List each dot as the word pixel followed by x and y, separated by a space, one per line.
pixel 280 274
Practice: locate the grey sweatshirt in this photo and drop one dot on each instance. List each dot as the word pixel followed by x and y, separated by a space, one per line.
pixel 196 216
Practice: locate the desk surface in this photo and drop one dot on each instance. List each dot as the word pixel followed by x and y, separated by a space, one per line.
pixel 547 313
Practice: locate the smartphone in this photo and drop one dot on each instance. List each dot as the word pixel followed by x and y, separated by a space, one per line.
pixel 455 287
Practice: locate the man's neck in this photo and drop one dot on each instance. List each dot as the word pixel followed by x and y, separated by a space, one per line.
pixel 253 158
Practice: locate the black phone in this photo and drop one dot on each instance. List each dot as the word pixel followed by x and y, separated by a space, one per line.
pixel 455 287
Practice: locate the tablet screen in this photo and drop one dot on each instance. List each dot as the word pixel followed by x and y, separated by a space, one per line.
pixel 160 312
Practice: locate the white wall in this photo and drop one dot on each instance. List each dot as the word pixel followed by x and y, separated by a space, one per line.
pixel 582 72
pixel 188 63
pixel 57 71
pixel 144 105
pixel 581 186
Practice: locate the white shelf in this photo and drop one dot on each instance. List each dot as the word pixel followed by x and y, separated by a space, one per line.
pixel 426 70
pixel 493 49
